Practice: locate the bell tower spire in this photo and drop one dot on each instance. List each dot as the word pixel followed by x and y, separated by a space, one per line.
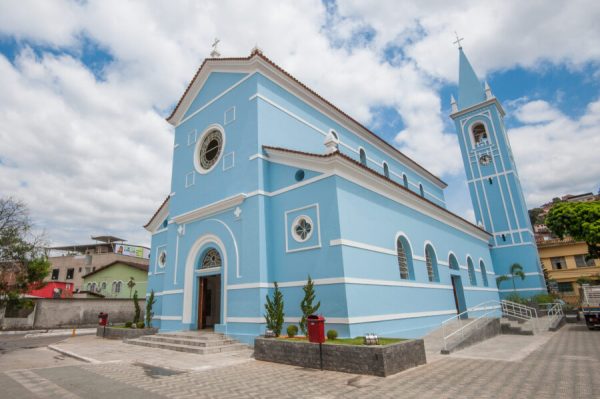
pixel 493 181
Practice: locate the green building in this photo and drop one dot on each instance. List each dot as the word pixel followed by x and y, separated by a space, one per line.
pixel 112 280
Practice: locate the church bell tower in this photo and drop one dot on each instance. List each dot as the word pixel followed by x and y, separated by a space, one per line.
pixel 493 182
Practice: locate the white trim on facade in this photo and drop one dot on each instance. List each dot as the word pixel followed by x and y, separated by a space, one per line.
pixel 348 170
pixel 342 280
pixel 340 142
pixel 209 209
pixel 352 320
pixel 166 292
pixel 170 318
pixel 522 289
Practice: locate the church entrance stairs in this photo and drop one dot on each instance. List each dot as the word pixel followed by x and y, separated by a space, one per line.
pixel 199 342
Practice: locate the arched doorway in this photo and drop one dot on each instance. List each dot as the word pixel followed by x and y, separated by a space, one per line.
pixel 209 267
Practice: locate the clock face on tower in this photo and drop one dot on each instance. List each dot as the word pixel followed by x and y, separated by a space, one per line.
pixel 485 159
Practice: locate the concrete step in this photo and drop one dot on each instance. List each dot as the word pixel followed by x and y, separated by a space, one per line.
pixel 188 348
pixel 184 340
pixel 196 335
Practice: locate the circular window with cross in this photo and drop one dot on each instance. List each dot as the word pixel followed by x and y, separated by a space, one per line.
pixel 302 228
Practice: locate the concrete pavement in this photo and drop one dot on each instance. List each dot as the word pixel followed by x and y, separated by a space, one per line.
pixel 559 365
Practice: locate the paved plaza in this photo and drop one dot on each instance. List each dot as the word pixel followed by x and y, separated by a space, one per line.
pixel 564 364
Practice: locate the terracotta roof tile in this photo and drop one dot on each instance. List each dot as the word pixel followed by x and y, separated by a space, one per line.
pixel 158 210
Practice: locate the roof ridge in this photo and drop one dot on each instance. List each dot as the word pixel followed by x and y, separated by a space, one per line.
pixel 259 54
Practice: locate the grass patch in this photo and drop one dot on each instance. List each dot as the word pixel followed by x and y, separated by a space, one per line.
pixel 357 341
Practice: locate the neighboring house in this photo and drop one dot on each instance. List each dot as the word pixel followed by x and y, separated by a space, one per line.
pixel 272 183
pixel 111 280
pixel 71 262
pixel 53 289
pixel 565 261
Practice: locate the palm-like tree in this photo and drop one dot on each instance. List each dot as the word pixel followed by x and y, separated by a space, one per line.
pixel 516 270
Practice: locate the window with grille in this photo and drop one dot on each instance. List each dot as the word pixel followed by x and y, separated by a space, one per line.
pixel 212 258
pixel 580 261
pixel 431 263
pixel 471 268
pixel 402 261
pixel 483 273
pixel 558 263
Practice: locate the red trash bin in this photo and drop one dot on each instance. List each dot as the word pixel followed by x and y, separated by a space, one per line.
pixel 103 319
pixel 316 329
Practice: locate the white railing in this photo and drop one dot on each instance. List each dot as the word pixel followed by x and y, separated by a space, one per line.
pixel 554 311
pixel 465 325
pixel 521 312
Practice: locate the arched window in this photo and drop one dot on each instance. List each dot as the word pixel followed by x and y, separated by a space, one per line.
pixel 212 258
pixel 421 190
pixel 118 286
pixel 93 287
pixel 472 277
pixel 405 180
pixel 363 156
pixel 483 273
pixel 386 170
pixel 103 286
pixel 404 258
pixel 88 286
pixel 479 133
pixel 431 263
pixel 453 263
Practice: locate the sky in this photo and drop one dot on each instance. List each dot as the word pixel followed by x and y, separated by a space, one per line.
pixel 85 87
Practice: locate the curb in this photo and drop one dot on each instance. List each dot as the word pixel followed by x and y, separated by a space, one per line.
pixel 73 355
pixel 60 333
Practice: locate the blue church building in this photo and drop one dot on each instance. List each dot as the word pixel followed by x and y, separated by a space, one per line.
pixel 273 183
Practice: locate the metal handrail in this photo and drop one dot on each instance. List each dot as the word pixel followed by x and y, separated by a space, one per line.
pixel 555 312
pixel 493 305
pixel 520 311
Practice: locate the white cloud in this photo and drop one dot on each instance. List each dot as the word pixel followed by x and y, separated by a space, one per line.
pixel 555 154
pixel 92 154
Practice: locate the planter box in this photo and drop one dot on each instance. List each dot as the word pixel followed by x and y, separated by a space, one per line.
pixel 124 333
pixel 376 360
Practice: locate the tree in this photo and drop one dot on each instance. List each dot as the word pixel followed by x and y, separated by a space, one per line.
pixel 516 270
pixel 131 284
pixel 23 262
pixel 149 313
pixel 579 220
pixel 501 279
pixel 306 306
pixel 136 316
pixel 534 216
pixel 274 311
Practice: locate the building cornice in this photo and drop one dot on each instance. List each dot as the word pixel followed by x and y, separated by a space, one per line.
pixel 161 213
pixel 210 209
pixel 492 100
pixel 343 166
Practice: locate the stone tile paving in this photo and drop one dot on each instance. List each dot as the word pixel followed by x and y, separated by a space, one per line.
pixel 564 367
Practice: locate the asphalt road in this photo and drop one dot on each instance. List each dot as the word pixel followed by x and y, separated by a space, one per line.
pixel 9 343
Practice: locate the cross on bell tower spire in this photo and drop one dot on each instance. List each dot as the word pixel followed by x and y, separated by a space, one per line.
pixel 458 40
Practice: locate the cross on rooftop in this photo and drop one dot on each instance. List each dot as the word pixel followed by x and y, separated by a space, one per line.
pixel 215 53
pixel 458 40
